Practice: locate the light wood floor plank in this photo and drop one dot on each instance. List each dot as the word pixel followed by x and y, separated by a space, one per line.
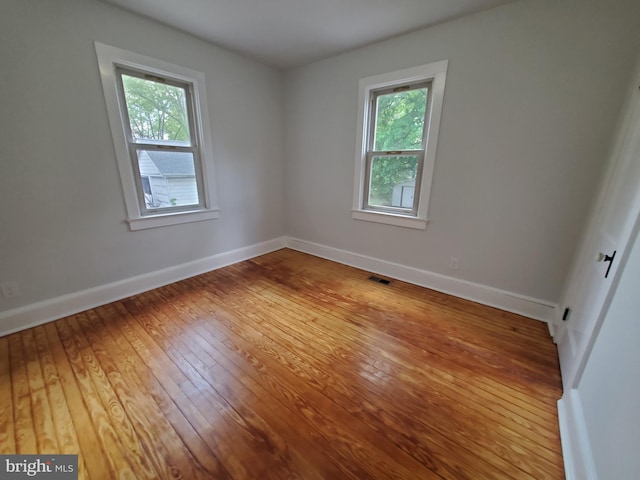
pixel 45 431
pixel 502 445
pixel 162 445
pixel 323 329
pixel 198 349
pixel 478 373
pixel 59 412
pixel 89 448
pixel 393 429
pixel 7 429
pixel 178 386
pixel 107 420
pixel 231 431
pixel 25 435
pixel 287 366
pixel 206 463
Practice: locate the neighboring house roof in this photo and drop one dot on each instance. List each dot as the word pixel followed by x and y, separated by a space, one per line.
pixel 153 162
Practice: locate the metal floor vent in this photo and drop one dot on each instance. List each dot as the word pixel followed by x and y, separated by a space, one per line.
pixel 384 281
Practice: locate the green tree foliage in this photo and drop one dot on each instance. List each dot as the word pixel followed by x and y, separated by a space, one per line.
pixel 399 126
pixel 156 111
pixel 387 172
pixel 400 120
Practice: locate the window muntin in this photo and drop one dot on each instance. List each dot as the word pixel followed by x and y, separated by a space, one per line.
pixel 395 150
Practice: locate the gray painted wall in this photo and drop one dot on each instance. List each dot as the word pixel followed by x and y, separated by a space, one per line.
pixel 532 96
pixel 533 91
pixel 62 212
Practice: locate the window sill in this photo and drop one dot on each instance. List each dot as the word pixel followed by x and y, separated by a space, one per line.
pixel 164 220
pixel 390 219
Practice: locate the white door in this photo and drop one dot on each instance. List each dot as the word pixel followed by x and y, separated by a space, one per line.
pixel 608 236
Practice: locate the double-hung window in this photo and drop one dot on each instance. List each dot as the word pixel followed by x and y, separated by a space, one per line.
pixel 160 129
pixel 395 148
pixel 160 135
pixel 399 118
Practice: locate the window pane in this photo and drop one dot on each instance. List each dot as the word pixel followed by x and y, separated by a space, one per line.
pixel 393 181
pixel 400 120
pixel 168 178
pixel 157 112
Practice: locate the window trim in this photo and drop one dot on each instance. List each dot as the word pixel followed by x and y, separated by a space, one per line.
pixel 434 73
pixel 112 58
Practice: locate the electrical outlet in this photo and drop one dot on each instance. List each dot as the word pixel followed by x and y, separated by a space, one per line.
pixel 455 263
pixel 10 289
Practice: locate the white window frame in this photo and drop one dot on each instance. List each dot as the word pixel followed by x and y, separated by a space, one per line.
pixel 138 216
pixel 416 218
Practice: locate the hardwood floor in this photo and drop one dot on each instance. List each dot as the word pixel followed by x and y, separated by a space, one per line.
pixel 287 366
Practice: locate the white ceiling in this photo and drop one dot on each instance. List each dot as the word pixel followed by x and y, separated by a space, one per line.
pixel 286 33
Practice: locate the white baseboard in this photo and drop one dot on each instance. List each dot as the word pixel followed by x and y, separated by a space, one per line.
pixel 52 309
pixel 48 310
pixel 493 297
pixel 552 330
pixel 576 448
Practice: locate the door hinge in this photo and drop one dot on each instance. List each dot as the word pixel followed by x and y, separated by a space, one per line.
pixel 565 314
